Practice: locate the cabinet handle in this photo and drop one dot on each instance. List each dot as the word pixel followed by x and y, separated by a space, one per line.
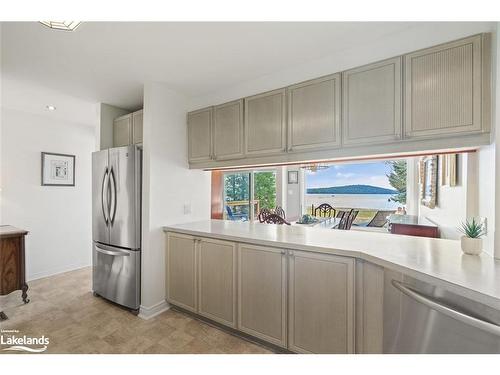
pixel 283 252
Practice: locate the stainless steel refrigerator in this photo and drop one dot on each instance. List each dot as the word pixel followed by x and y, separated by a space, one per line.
pixel 116 225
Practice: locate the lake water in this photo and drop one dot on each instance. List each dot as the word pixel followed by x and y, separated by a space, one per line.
pixel 373 201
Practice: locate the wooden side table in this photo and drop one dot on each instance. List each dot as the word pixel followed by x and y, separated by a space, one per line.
pixel 12 263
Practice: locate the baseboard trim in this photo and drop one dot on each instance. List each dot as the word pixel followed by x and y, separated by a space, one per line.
pixel 57 271
pixel 150 312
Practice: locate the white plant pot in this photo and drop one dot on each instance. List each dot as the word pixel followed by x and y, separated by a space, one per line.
pixel 472 246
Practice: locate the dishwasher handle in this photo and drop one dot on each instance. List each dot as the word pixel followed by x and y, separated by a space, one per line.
pixel 448 311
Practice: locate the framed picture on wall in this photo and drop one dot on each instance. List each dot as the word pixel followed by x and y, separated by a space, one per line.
pixel 293 177
pixel 58 169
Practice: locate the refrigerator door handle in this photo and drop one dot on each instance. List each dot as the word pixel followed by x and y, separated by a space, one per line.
pixel 104 250
pixel 104 196
pixel 112 205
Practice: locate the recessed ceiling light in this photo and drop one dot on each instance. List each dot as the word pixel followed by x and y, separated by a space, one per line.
pixel 51 107
pixel 62 25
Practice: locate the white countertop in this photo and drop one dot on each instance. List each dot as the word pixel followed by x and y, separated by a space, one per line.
pixel 433 260
pixel 9 230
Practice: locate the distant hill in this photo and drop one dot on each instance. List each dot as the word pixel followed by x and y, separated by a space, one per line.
pixel 351 189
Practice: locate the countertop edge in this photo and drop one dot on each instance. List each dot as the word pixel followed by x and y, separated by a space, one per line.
pixel 464 290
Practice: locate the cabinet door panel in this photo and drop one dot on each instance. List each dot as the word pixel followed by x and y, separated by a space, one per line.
pixel 122 131
pixel 321 303
pixel 217 281
pixel 262 293
pixel 372 103
pixel 200 135
pixel 443 89
pixel 228 130
pixel 314 114
pixel 181 271
pixel 369 308
pixel 137 125
pixel 265 125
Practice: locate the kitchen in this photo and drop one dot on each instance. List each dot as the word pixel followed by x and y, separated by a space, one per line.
pixel 198 284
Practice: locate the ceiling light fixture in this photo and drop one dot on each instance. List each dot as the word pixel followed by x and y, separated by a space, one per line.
pixel 62 25
pixel 51 107
pixel 314 167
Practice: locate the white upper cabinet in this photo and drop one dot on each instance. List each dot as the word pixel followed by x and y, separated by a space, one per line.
pixel 433 99
pixel 228 130
pixel 371 103
pixel 443 89
pixel 200 135
pixel 137 126
pixel 314 114
pixel 127 129
pixel 122 131
pixel 265 123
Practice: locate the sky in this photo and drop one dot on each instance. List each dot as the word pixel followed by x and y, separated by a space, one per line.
pixel 371 173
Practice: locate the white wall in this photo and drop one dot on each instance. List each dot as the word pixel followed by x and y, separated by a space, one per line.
pixel 294 193
pixel 486 193
pixel 58 218
pixel 493 175
pixel 1 91
pixel 169 187
pixel 455 203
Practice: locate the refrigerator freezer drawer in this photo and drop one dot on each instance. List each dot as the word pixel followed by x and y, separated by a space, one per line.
pixel 116 274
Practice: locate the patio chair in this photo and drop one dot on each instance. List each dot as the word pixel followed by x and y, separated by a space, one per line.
pixel 341 213
pixel 325 210
pixel 280 212
pixel 263 214
pixel 351 218
pixel 235 217
pixel 275 219
pixel 380 219
pixel 346 219
pixel 230 213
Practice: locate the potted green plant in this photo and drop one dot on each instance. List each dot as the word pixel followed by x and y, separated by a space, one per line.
pixel 471 241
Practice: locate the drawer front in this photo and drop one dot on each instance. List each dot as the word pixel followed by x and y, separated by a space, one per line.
pixel 10 265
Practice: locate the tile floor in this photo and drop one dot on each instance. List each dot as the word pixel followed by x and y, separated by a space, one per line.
pixel 63 309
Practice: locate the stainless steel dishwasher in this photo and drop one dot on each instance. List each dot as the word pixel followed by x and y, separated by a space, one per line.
pixel 423 318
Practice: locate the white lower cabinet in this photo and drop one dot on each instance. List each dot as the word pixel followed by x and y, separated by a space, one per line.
pixel 181 273
pixel 262 293
pixel 298 300
pixel 321 303
pixel 369 308
pixel 217 281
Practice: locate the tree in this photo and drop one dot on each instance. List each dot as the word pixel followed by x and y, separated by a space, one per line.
pixel 236 188
pixel 265 189
pixel 397 179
